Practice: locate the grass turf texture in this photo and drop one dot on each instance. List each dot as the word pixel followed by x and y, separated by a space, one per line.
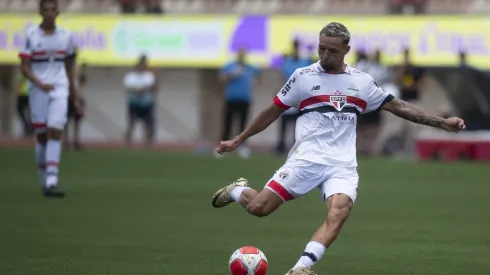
pixel 138 212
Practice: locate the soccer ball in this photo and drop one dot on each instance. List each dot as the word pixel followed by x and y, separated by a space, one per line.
pixel 248 260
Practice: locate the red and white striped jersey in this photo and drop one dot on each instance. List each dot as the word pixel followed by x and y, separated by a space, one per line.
pixel 47 54
pixel 329 105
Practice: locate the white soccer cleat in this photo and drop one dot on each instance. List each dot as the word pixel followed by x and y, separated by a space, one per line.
pixel 301 271
pixel 222 197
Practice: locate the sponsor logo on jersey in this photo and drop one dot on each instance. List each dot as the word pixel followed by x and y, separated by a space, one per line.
pixel 306 71
pixel 287 87
pixel 315 88
pixel 353 87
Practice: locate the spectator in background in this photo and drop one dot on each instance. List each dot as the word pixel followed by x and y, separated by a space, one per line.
pixel 153 7
pixel 463 63
pixel 23 107
pixel 312 54
pixel 370 123
pixel 409 78
pixel 399 6
pixel 290 63
pixel 141 6
pixel 140 84
pixel 74 115
pixel 128 6
pixel 238 78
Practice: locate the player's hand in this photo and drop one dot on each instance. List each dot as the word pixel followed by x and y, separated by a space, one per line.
pixel 453 124
pixel 46 87
pixel 227 146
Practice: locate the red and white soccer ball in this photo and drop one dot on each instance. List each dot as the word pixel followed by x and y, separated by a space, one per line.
pixel 248 260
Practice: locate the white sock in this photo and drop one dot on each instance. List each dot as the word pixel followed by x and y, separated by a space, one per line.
pixel 53 153
pixel 41 162
pixel 237 192
pixel 313 253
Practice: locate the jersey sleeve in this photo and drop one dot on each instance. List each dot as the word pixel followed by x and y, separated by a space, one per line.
pixel 290 94
pixel 25 46
pixel 376 97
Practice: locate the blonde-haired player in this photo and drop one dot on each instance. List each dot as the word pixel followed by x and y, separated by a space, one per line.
pixel 329 95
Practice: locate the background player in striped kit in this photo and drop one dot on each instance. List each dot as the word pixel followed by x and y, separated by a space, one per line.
pixel 47 62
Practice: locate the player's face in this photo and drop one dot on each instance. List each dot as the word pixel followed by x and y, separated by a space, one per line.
pixel 49 11
pixel 332 51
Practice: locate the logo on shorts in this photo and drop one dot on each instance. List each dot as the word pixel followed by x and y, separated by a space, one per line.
pixel 338 101
pixel 283 174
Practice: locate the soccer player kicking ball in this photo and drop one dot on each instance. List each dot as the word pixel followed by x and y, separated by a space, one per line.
pixel 47 62
pixel 329 96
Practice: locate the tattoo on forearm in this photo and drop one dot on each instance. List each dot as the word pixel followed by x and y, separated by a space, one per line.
pixel 409 112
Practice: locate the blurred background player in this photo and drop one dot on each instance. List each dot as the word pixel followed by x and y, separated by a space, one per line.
pixel 291 62
pixel 141 87
pixel 75 116
pixel 47 62
pixel 239 79
pixel 23 107
pixel 409 78
pixel 370 123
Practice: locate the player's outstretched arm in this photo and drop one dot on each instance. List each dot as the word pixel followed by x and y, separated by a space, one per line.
pixel 409 112
pixel 259 124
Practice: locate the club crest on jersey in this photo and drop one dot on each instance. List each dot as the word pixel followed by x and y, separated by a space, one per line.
pixel 283 174
pixel 338 101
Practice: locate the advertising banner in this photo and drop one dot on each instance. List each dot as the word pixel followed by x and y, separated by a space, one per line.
pixel 211 41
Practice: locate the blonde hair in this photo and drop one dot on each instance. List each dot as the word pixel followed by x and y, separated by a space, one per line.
pixel 335 29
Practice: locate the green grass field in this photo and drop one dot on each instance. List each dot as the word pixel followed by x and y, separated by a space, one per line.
pixel 139 212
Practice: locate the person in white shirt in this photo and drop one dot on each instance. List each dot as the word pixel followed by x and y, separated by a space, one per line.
pixel 329 95
pixel 47 62
pixel 140 85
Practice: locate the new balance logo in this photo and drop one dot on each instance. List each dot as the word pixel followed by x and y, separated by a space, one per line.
pixel 316 88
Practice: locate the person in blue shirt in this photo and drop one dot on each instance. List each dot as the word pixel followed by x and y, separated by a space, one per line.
pixel 239 79
pixel 290 63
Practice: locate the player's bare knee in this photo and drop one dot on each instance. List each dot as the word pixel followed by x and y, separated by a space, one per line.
pixel 337 216
pixel 54 133
pixel 258 209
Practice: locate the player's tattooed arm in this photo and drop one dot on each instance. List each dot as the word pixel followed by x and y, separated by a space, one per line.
pixel 261 122
pixel 409 112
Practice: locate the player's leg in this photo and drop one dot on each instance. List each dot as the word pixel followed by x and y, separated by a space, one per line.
pixel 76 133
pixel 259 204
pixel 38 103
pixel 340 193
pixel 57 117
pixel 132 114
pixel 294 179
pixel 149 121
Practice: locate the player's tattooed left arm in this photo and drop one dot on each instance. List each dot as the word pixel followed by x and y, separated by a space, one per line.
pixel 409 112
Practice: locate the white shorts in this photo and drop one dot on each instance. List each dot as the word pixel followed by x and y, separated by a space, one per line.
pixel 298 177
pixel 48 111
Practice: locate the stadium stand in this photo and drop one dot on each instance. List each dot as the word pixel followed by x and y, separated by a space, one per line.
pixel 372 7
